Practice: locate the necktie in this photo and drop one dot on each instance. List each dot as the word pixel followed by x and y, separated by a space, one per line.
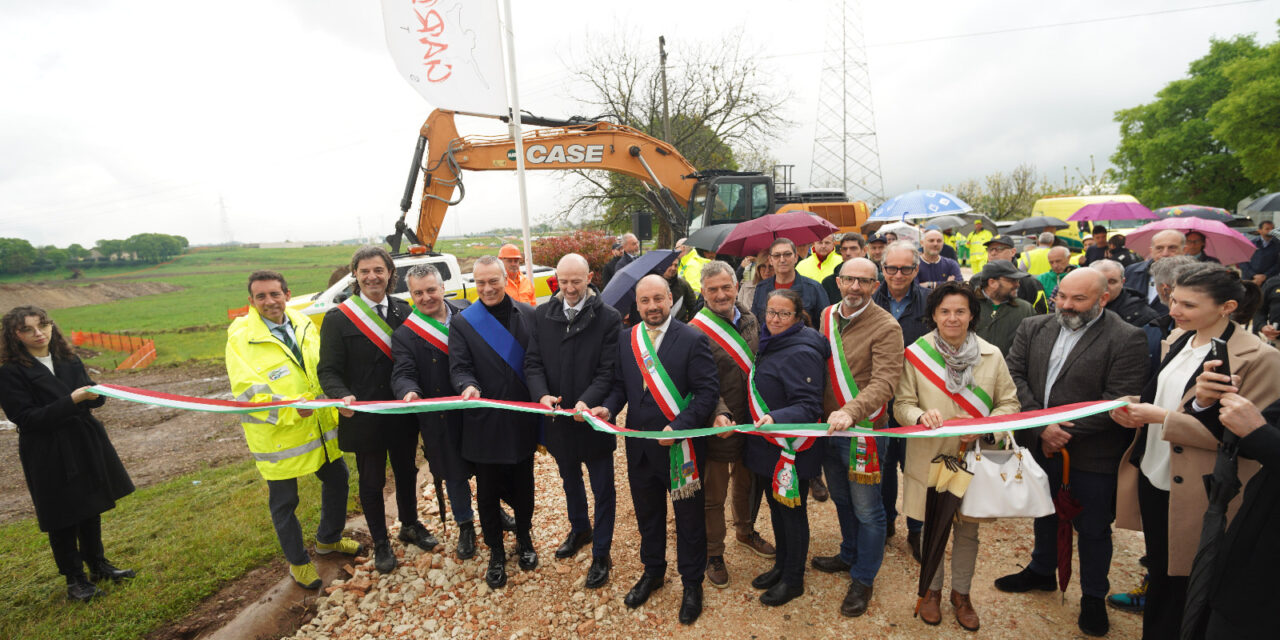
pixel 378 308
pixel 570 313
pixel 288 342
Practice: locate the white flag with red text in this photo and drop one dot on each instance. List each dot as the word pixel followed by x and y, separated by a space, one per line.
pixel 450 51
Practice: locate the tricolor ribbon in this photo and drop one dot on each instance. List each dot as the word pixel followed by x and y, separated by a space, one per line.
pixel 682 463
pixel 864 459
pixel 786 481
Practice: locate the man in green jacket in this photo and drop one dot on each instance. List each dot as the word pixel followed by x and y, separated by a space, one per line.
pixel 272 353
pixel 1001 310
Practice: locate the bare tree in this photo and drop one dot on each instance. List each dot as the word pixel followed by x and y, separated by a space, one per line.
pixel 719 100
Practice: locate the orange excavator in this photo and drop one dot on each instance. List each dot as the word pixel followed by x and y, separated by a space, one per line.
pixel 686 198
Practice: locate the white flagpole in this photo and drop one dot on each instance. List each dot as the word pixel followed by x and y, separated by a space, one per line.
pixel 513 84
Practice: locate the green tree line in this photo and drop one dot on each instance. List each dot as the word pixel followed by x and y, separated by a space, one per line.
pixel 20 256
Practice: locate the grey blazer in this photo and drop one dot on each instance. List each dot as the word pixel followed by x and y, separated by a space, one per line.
pixel 1108 362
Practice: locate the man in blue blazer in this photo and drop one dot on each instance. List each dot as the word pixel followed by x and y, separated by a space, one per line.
pixel 683 398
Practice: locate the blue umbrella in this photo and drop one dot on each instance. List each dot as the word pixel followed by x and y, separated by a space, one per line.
pixel 621 286
pixel 919 204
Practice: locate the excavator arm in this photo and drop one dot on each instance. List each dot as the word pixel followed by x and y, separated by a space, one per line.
pixel 597 145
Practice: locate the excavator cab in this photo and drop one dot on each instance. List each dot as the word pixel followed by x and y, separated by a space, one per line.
pixel 729 197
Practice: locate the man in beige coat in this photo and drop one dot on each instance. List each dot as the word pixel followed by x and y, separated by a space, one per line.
pixel 871 340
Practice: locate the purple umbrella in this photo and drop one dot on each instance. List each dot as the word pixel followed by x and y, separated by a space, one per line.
pixel 753 236
pixel 1220 241
pixel 1112 210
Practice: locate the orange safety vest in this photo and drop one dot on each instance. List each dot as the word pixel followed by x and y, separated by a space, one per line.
pixel 521 288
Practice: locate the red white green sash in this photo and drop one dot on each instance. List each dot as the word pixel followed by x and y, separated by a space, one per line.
pixel 682 464
pixel 373 327
pixel 786 482
pixel 864 458
pixel 925 358
pixel 429 329
pixel 723 334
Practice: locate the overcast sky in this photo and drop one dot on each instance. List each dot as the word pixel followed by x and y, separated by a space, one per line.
pixel 134 116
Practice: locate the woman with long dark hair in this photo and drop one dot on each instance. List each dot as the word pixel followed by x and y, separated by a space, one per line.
pixel 1160 488
pixel 786 387
pixel 72 471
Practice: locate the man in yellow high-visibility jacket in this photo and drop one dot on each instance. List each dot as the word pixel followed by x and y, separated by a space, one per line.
pixel 691 261
pixel 272 353
pixel 977 242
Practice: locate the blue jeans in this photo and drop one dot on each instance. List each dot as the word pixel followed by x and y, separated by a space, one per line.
pixel 460 500
pixel 1097 495
pixel 860 511
pixel 893 457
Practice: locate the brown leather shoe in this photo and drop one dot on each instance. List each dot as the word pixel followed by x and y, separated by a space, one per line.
pixel 757 545
pixel 818 489
pixel 965 615
pixel 931 608
pixel 717 574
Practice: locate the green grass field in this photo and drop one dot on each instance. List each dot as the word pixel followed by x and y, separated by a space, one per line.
pixel 186 540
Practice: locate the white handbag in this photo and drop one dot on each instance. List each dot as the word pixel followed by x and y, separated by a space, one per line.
pixel 1007 483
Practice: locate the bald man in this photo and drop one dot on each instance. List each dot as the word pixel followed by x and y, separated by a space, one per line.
pixel 1124 302
pixel 1166 244
pixel 1079 353
pixel 661 363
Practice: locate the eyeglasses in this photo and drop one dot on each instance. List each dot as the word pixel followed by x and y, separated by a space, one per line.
pixel 43 327
pixel 865 282
pixel 893 271
pixel 788 254
pixel 781 315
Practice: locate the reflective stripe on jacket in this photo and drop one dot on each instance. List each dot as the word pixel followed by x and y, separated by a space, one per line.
pixel 261 369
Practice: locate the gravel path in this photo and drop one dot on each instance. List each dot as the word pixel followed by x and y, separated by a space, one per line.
pixel 432 595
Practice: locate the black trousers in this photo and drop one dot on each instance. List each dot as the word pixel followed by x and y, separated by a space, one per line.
pixel 509 483
pixel 649 491
pixel 600 472
pixel 790 533
pixel 1166 595
pixel 373 478
pixel 75 545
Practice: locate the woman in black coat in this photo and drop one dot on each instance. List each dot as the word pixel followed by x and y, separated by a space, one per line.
pixel 72 471
pixel 788 376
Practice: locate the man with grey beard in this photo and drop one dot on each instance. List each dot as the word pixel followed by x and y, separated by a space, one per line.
pixel 1081 352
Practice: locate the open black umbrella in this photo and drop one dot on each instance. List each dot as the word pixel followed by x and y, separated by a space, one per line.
pixel 1194 211
pixel 1223 485
pixel 948 480
pixel 710 238
pixel 624 281
pixel 1036 224
pixel 1263 204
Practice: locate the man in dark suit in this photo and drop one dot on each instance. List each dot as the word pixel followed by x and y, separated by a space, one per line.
pixel 355 364
pixel 1165 244
pixel 685 355
pixel 571 360
pixel 1080 352
pixel 420 349
pixel 487 344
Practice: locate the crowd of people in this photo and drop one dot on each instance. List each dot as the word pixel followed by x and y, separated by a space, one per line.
pixel 812 334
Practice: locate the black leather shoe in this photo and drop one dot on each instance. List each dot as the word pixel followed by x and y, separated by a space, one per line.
pixel 780 594
pixel 691 604
pixel 104 570
pixel 508 521
pixel 1026 580
pixel 598 574
pixel 527 556
pixel 645 586
pixel 575 541
pixel 417 534
pixel 829 564
pixel 913 540
pixel 1093 617
pixel 768 578
pixel 466 541
pixel 80 589
pixel 855 600
pixel 384 559
pixel 496 575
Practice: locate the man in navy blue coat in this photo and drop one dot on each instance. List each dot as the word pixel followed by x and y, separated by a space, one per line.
pixel 685 354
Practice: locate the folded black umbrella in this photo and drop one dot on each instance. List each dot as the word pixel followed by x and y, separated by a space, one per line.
pixel 948 480
pixel 1222 485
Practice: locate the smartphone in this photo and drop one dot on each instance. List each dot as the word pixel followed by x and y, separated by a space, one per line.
pixel 1218 351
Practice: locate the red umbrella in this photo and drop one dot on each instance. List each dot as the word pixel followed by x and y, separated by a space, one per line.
pixel 1067 509
pixel 1112 210
pixel 753 236
pixel 1220 241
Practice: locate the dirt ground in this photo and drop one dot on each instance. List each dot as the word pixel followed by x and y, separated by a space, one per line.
pixel 155 444
pixel 51 295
